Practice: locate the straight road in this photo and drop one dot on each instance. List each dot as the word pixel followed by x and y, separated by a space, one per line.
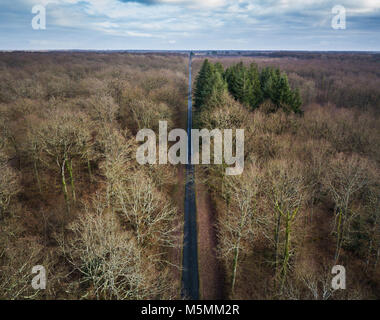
pixel 190 276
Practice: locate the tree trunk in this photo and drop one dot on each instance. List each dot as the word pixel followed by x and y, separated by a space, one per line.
pixel 372 243
pixel 276 239
pixel 369 253
pixel 339 236
pixel 37 176
pixel 64 187
pixel 89 169
pixel 285 262
pixel 234 268
pixel 69 165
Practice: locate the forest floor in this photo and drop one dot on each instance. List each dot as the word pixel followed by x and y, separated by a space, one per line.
pixel 176 252
pixel 210 271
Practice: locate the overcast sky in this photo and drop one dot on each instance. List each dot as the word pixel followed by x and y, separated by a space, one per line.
pixel 186 24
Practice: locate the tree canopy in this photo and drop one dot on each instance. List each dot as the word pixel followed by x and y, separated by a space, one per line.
pixel 248 85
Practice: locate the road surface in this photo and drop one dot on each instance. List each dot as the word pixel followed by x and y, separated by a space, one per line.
pixel 190 276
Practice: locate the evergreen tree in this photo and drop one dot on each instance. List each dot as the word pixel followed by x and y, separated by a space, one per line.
pixel 232 81
pixel 219 68
pixel 239 83
pixel 275 86
pixel 246 85
pixel 296 101
pixel 219 86
pixel 203 87
pixel 281 93
pixel 256 94
pixel 267 79
pixel 210 84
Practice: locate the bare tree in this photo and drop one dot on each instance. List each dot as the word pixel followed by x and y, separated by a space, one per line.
pixel 284 189
pixel 110 259
pixel 345 177
pixel 9 184
pixel 33 148
pixel 103 109
pixel 139 113
pixel 319 284
pixel 150 214
pixel 239 223
pixel 115 152
pixel 62 138
pixel 18 255
pixel 314 156
pixel 373 227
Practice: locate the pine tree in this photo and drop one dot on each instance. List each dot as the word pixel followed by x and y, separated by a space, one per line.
pixel 231 77
pixel 239 83
pixel 203 88
pixel 247 85
pixel 267 79
pixel 275 86
pixel 210 84
pixel 219 86
pixel 256 94
pixel 296 101
pixel 219 68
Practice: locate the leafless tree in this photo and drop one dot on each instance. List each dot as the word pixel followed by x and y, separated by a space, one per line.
pixel 114 151
pixel 152 217
pixel 110 259
pixel 284 190
pixel 103 109
pixel 18 256
pixel 239 223
pixel 62 138
pixel 346 176
pixel 373 228
pixel 9 184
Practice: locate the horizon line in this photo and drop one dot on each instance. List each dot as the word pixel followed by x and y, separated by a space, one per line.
pixel 189 50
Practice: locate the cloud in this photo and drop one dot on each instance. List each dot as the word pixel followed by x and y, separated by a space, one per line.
pixel 186 3
pixel 240 24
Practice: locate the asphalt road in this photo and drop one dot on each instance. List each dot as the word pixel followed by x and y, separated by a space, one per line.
pixel 190 276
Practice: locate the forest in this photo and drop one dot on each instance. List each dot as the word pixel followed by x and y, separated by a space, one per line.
pixel 309 196
pixel 269 88
pixel 74 199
